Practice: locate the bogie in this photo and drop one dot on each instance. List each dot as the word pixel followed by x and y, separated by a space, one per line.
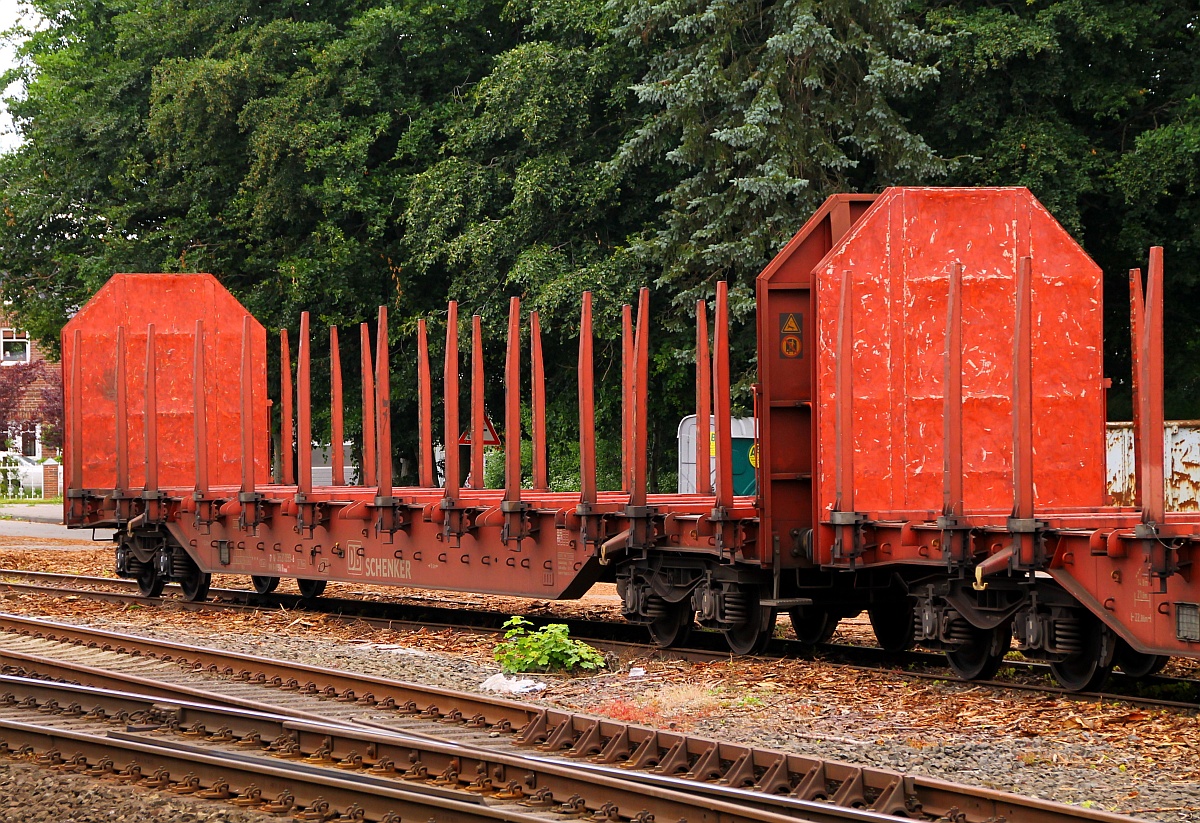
pixel 671 594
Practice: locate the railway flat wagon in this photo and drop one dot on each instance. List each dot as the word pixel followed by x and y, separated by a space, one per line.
pixel 931 450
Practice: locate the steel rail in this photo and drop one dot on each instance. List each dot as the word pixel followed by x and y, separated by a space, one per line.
pixel 384 757
pixel 272 671
pixel 554 774
pixel 294 789
pixel 581 737
pixel 338 746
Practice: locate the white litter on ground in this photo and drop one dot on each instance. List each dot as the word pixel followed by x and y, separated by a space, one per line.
pixel 510 685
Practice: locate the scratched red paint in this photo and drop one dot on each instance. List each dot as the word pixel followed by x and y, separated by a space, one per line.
pixel 899 256
pixel 173 303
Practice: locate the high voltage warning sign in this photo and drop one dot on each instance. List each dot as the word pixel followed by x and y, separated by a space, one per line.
pixel 791 343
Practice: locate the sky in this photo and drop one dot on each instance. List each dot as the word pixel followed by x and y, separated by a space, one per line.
pixel 10 11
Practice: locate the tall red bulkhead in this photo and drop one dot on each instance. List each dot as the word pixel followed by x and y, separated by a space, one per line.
pixel 789 407
pixel 173 303
pixel 898 258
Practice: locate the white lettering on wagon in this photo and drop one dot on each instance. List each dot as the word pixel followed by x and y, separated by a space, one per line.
pixel 389 567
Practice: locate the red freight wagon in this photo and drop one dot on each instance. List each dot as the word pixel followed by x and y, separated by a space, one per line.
pixel 931 404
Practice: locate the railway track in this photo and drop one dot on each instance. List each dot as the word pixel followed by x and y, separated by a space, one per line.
pixel 315 770
pixel 197 705
pixel 621 638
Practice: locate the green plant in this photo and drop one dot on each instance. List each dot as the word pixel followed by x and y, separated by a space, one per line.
pixel 548 648
pixel 748 701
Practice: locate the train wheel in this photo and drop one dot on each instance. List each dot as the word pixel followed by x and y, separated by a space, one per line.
pixel 1088 668
pixel 753 624
pixel 1139 664
pixel 812 625
pixel 311 588
pixel 979 658
pixel 893 624
pixel 195 584
pixel 753 636
pixel 150 584
pixel 674 626
pixel 264 585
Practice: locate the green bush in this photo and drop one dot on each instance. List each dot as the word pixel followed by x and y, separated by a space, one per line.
pixel 549 648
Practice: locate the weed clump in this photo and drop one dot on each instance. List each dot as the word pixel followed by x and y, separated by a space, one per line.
pixel 550 648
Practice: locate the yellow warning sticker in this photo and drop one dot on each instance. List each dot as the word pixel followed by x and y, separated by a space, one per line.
pixel 791 338
pixel 754 455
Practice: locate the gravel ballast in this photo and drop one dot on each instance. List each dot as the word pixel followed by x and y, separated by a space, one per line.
pixel 1110 756
pixel 34 794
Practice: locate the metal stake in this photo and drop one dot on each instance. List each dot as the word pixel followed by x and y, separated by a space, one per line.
pixel 541 476
pixel 285 407
pixel 337 437
pixel 587 407
pixel 368 406
pixel 703 402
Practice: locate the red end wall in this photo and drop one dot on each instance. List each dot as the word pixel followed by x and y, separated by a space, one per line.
pixel 173 302
pixel 788 408
pixel 899 256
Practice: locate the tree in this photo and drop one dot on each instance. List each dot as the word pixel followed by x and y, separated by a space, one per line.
pixel 743 117
pixel 272 145
pixel 758 111
pixel 1089 103
pixel 15 381
pixel 521 204
pixel 764 109
pixel 334 156
pixel 50 409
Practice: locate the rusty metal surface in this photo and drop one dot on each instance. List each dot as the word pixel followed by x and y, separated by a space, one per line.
pixel 541 466
pixel 786 290
pixel 857 413
pixel 1182 449
pixel 457 536
pixel 1149 382
pixel 131 302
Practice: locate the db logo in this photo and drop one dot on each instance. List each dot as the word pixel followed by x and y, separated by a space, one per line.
pixel 354 558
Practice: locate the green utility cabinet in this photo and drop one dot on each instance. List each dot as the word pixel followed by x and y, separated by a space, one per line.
pixel 745 454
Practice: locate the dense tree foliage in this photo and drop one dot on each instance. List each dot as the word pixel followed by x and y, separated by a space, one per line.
pixel 759 110
pixel 1093 105
pixel 334 155
pixel 765 108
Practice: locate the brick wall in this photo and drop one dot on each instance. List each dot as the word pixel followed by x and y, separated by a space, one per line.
pixel 31 398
